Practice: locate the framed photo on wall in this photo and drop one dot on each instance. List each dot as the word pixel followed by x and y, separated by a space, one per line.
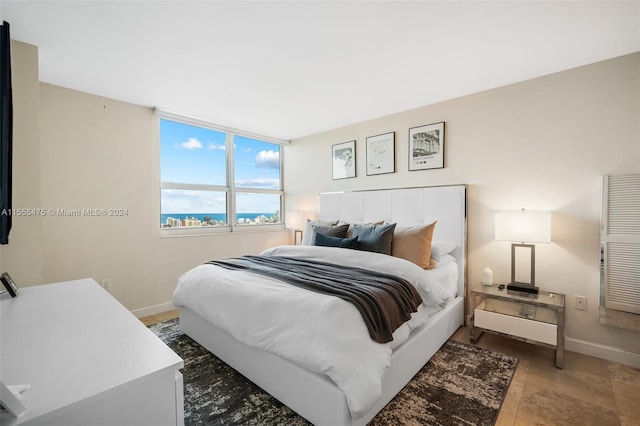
pixel 343 157
pixel 426 147
pixel 381 154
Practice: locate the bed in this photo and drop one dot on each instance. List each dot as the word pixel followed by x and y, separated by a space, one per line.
pixel 300 381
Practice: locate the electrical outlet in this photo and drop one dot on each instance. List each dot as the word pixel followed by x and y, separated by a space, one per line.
pixel 581 302
pixel 106 284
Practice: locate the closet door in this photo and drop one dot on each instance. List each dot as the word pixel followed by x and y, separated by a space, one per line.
pixel 621 242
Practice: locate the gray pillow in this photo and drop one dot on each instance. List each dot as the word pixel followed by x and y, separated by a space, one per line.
pixel 329 241
pixel 339 231
pixel 308 236
pixel 376 238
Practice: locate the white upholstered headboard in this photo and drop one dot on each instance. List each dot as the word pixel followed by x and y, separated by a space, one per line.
pixel 407 206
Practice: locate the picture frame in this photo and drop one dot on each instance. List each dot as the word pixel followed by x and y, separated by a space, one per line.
pixel 343 159
pixel 11 286
pixel 426 147
pixel 381 154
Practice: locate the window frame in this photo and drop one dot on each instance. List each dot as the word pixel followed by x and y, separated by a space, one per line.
pixel 229 189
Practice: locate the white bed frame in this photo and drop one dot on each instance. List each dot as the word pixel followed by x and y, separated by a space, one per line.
pixel 313 395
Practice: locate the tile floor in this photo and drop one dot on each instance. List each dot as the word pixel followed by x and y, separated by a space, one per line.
pixel 587 391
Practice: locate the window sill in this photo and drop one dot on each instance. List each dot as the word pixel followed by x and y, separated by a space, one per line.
pixel 619 319
pixel 222 230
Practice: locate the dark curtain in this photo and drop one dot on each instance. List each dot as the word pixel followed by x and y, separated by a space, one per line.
pixel 6 133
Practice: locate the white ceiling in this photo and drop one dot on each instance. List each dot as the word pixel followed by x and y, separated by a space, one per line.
pixel 294 68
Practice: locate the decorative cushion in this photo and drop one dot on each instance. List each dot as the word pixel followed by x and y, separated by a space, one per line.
pixel 350 230
pixel 329 241
pixel 376 238
pixel 413 243
pixel 339 231
pixel 308 236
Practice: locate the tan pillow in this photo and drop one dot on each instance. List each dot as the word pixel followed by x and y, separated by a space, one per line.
pixel 413 243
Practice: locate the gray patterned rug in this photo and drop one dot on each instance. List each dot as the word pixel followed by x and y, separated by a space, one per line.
pixel 461 385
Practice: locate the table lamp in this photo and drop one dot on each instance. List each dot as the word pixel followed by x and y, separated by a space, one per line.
pixel 295 221
pixel 523 227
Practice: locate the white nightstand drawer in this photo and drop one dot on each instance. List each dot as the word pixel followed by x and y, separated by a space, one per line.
pixel 521 327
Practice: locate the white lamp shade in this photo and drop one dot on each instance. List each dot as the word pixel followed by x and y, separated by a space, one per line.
pixel 294 219
pixel 524 226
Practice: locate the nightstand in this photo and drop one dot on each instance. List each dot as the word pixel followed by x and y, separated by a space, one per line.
pixel 534 318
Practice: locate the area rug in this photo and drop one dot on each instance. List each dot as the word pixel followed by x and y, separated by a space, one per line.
pixel 461 385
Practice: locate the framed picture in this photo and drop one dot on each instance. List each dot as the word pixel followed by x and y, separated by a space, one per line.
pixel 381 154
pixel 344 160
pixel 11 287
pixel 426 147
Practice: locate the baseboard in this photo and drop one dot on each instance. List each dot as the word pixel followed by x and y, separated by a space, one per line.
pixel 601 351
pixel 152 310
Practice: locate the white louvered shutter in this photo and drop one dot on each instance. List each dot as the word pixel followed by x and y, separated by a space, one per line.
pixel 621 196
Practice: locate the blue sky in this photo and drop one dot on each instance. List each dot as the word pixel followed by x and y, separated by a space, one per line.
pixel 190 154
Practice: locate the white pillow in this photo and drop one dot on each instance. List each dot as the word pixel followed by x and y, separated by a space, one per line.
pixel 445 260
pixel 441 248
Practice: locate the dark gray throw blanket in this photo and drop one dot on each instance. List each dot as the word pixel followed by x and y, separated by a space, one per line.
pixel 384 301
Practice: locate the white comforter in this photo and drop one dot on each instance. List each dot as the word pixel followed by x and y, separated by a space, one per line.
pixel 321 332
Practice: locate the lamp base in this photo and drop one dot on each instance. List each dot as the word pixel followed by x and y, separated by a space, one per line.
pixel 523 288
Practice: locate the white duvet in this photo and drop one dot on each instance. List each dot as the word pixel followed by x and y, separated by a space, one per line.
pixel 320 332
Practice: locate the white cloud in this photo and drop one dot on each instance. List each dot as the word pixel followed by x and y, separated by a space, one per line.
pixel 190 144
pixel 189 201
pixel 269 183
pixel 212 147
pixel 269 159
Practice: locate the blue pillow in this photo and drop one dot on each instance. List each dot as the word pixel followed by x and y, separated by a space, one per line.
pixel 329 241
pixel 376 238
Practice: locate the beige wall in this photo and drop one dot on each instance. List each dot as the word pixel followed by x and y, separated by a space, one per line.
pixel 541 145
pixel 88 152
pixel 101 153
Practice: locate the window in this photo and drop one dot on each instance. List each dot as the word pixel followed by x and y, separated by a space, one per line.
pixel 216 179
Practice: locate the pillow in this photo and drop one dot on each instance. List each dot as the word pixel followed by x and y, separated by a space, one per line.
pixel 444 260
pixel 329 241
pixel 350 230
pixel 413 243
pixel 339 231
pixel 376 238
pixel 440 249
pixel 308 236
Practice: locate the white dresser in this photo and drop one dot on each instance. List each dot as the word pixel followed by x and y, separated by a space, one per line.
pixel 88 360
